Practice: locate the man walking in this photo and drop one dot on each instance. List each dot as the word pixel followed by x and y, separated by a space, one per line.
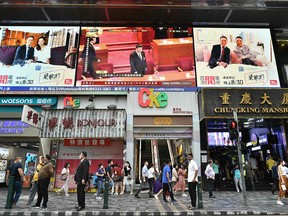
pixel 81 177
pixel 16 170
pixel 109 172
pixel 192 181
pixel 210 174
pixel 45 173
pixel 145 172
pixel 34 188
pixel 166 181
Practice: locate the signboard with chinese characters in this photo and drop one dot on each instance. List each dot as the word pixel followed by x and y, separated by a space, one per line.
pixel 87 142
pixel 30 116
pixel 247 59
pixel 83 123
pixel 264 103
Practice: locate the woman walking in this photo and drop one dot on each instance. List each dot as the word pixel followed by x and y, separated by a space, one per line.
pixel 237 178
pixel 181 185
pixel 282 181
pixel 65 177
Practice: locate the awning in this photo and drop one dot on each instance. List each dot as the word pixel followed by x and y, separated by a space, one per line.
pixel 83 123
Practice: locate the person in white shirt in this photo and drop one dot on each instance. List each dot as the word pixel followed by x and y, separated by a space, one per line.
pixel 42 52
pixel 151 179
pixel 210 174
pixel 192 181
pixel 65 178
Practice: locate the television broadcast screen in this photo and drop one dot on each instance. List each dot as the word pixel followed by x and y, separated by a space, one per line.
pixel 38 56
pixel 247 59
pixel 135 56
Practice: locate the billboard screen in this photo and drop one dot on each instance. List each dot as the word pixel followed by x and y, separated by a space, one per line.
pixel 247 59
pixel 38 56
pixel 135 56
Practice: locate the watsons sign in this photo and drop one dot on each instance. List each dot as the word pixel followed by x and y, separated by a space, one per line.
pixel 28 101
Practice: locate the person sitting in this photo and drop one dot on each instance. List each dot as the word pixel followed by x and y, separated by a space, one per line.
pixel 220 54
pixel 244 55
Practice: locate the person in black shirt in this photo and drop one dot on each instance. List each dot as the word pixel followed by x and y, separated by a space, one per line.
pixel 109 176
pixel 16 170
pixel 128 180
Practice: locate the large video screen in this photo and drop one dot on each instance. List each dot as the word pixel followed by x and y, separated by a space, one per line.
pixel 38 56
pixel 136 56
pixel 247 59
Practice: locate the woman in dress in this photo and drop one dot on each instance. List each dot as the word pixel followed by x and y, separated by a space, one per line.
pixel 42 53
pixel 181 184
pixel 282 181
pixel 65 178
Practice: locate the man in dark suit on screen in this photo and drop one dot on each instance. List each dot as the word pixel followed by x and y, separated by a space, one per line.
pixel 81 177
pixel 220 55
pixel 138 61
pixel 25 53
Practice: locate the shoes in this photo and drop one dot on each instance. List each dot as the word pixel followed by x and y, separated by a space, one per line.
pixel 212 196
pixel 191 207
pixel 67 195
pixel 280 203
pixel 43 208
pixel 121 193
pixel 35 206
pixel 165 202
pixel 137 196
pixel 76 207
pixel 80 208
pixel 156 197
pixel 174 201
pixel 116 194
pixel 131 193
pixel 237 191
pixel 98 198
pixel 184 195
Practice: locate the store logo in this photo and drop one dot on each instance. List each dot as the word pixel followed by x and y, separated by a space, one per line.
pixel 149 98
pixel 69 101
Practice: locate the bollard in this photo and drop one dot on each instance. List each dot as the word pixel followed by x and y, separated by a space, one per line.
pixel 105 205
pixel 9 200
pixel 199 189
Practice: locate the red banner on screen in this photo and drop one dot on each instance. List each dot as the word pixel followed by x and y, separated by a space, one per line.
pixel 87 142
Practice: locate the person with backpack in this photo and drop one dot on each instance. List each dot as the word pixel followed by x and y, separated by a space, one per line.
pixel 100 175
pixel 65 177
pixel 15 170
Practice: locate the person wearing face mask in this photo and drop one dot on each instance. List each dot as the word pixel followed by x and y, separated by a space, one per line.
pixel 127 170
pixel 100 173
pixel 16 170
pixel 65 177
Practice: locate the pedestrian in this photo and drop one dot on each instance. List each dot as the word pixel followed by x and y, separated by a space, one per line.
pixel 275 178
pixel 100 173
pixel 181 184
pixel 282 181
pixel 128 180
pixel 216 169
pixel 65 178
pixel 158 184
pixel 250 174
pixel 109 174
pixel 45 173
pixel 210 174
pixel 151 179
pixel 34 188
pixel 16 171
pixel 118 179
pixel 81 177
pixel 192 181
pixel 174 175
pixel 144 180
pixel 166 181
pixel 237 178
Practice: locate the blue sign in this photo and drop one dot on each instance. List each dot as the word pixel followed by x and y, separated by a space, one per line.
pixel 35 101
pixel 12 127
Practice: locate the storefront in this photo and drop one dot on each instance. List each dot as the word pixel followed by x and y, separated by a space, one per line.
pixel 92 124
pixel 262 120
pixel 162 126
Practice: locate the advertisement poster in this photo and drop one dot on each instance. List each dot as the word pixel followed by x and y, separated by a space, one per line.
pixel 4 153
pixel 3 165
pixel 30 163
pixel 135 56
pixel 2 176
pixel 38 56
pixel 247 59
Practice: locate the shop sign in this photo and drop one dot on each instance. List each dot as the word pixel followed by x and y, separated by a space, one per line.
pixel 87 142
pixel 33 101
pixel 70 101
pixel 269 103
pixel 83 123
pixel 149 98
pixel 12 127
pixel 162 121
pixel 30 116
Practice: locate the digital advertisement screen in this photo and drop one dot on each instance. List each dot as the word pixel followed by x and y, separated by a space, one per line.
pixel 235 57
pixel 135 56
pixel 4 153
pixel 38 56
pixel 30 163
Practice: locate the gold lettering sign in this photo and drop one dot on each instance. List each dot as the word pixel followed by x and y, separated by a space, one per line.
pixel 225 98
pixel 162 121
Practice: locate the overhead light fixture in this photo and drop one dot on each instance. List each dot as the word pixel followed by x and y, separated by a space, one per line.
pixel 112 107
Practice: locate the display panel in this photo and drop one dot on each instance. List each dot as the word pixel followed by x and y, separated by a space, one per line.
pixel 38 56
pixel 30 163
pixel 3 165
pixel 4 153
pixel 2 176
pixel 111 56
pixel 247 59
pixel 219 139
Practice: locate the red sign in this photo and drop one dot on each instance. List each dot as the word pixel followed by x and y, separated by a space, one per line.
pixel 87 142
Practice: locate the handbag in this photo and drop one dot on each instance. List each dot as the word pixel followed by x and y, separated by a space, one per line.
pixel 116 178
pixel 283 187
pixel 63 177
pixel 129 177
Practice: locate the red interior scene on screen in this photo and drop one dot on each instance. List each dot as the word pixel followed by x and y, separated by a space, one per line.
pixel 132 56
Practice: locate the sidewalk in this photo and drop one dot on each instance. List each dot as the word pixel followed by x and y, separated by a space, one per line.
pixel 226 203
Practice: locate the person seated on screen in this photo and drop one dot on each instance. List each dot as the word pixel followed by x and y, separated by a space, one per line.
pixel 42 52
pixel 220 54
pixel 138 61
pixel 244 55
pixel 25 53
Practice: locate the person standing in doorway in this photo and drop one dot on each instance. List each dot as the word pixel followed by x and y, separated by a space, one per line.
pixel 16 170
pixel 210 174
pixel 81 177
pixel 45 173
pixel 192 181
pixel 65 178
pixel 34 188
